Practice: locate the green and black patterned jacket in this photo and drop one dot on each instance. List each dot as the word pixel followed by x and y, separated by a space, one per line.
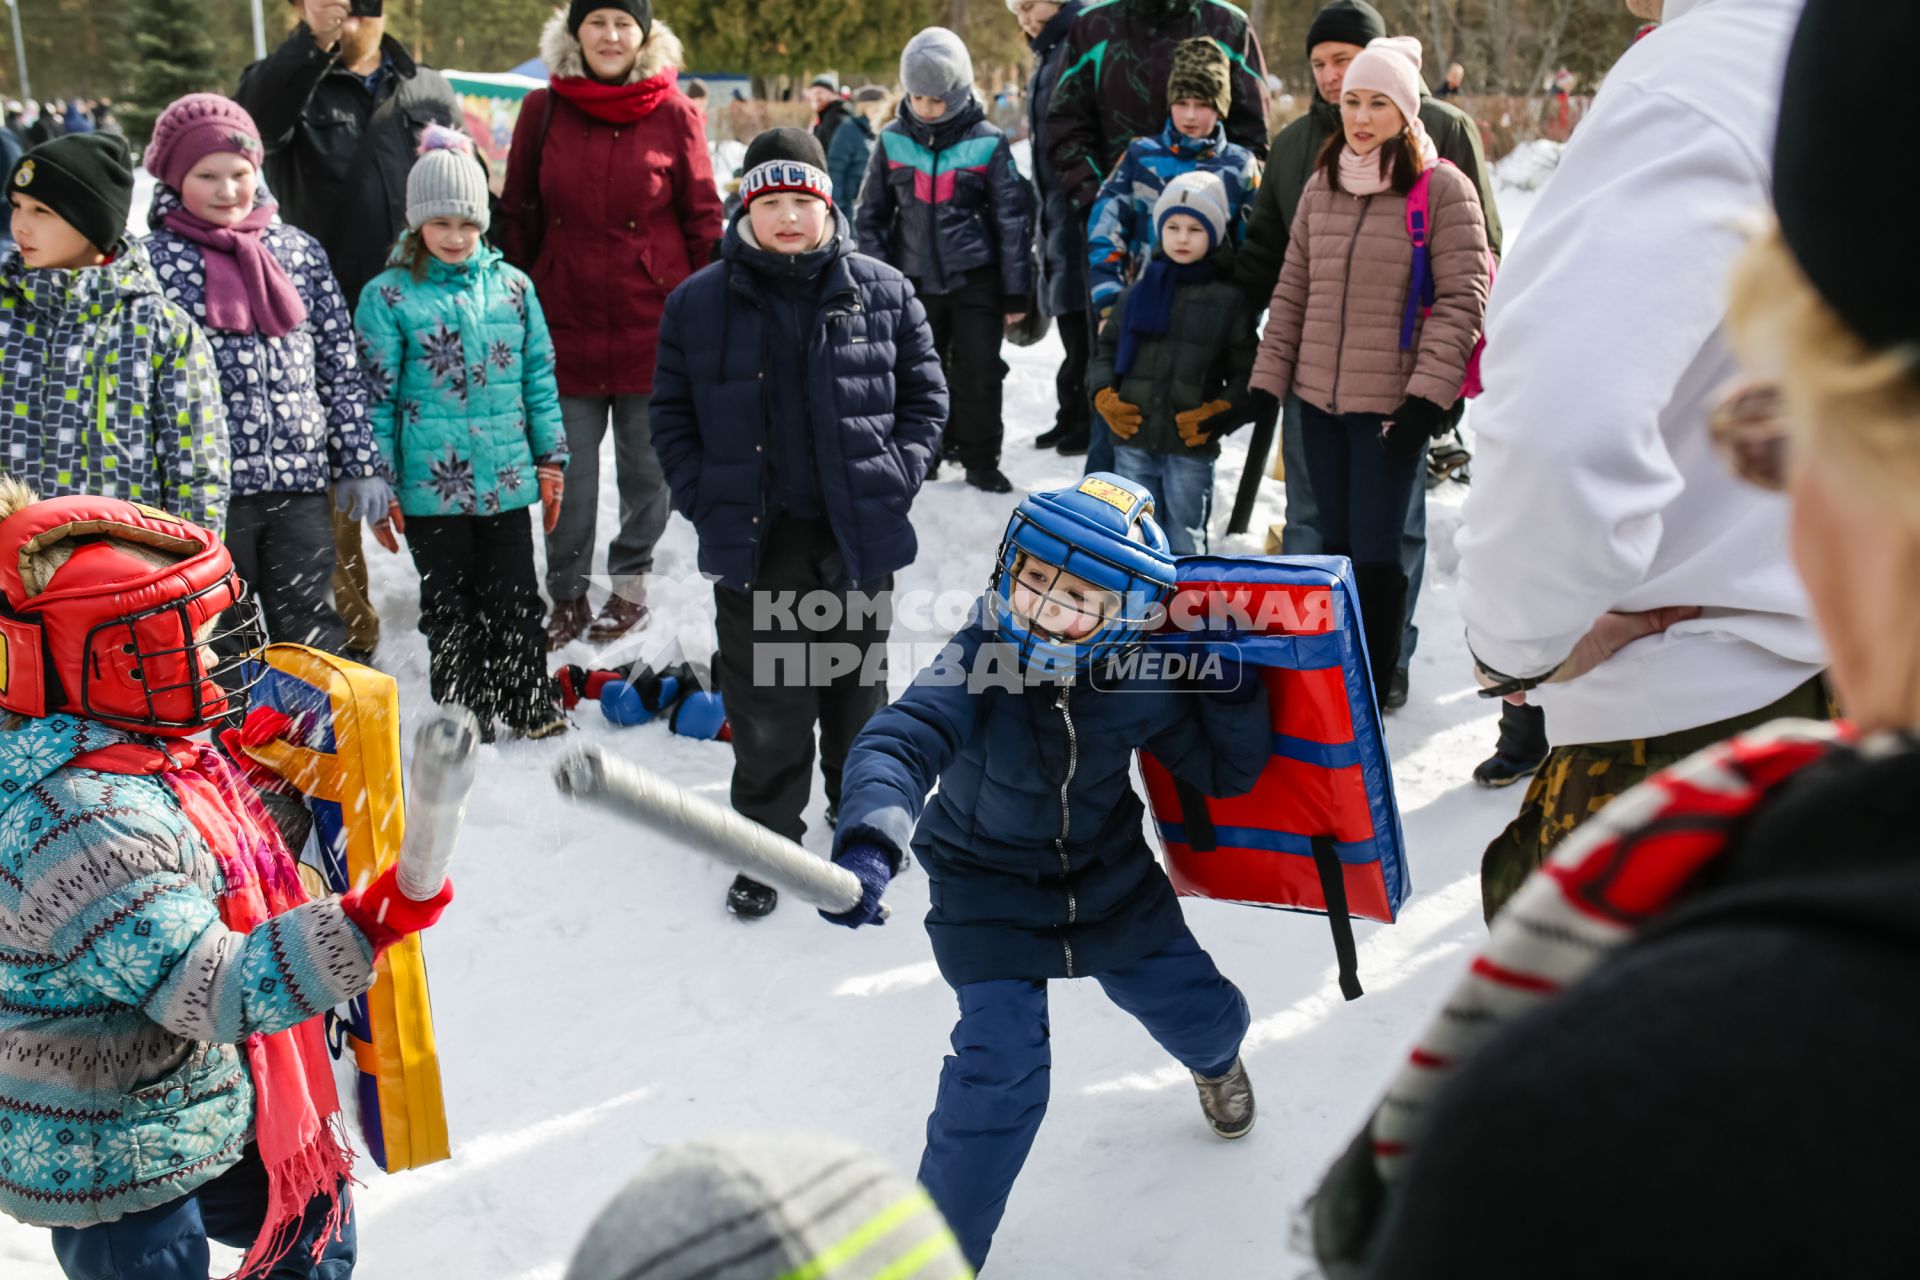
pixel 1113 84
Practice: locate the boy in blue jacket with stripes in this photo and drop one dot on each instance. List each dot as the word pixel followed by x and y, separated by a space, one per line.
pixel 1034 841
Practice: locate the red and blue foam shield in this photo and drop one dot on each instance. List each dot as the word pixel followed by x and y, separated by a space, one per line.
pixel 1320 831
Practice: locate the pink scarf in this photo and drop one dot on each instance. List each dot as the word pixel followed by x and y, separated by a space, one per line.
pixel 1364 176
pixel 248 291
pixel 294 1097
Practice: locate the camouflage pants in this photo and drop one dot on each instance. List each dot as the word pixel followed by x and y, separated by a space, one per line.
pixel 1579 781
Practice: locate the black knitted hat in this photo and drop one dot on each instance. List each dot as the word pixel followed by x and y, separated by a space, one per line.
pixel 1346 22
pixel 640 10
pixel 1847 64
pixel 86 178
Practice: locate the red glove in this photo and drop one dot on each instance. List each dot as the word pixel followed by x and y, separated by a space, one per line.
pixel 263 724
pixel 386 915
pixel 553 488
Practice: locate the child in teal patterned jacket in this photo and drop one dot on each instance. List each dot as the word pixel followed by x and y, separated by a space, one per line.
pixel 466 409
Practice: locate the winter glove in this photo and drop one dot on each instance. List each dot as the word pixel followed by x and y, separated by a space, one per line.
pixel 1197 426
pixel 262 725
pixel 1123 418
pixel 701 715
pixel 1412 425
pixel 873 869
pixel 553 486
pixel 386 915
pixel 363 498
pixel 384 530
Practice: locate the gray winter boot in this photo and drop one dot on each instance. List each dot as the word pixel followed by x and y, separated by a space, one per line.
pixel 1227 1101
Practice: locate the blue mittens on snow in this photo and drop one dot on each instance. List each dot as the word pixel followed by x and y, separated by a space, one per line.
pixel 873 868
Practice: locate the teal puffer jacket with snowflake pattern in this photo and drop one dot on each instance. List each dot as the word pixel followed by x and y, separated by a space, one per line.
pixel 124 998
pixel 460 370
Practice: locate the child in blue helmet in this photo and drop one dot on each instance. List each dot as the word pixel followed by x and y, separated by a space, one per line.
pixel 1034 841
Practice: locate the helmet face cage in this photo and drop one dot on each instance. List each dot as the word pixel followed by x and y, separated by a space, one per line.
pixel 1137 607
pixel 148 670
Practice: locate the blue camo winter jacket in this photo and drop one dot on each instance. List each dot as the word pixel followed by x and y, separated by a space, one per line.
pixel 296 405
pixel 1120 231
pixel 123 996
pixel 1026 882
pixel 941 200
pixel 876 399
pixel 460 367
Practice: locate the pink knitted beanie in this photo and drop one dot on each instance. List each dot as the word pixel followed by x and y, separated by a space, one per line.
pixel 1389 65
pixel 195 127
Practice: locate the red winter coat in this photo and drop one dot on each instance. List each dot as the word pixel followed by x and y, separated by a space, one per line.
pixel 608 217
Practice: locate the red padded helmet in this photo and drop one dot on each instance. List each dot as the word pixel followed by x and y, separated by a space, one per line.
pixel 110 634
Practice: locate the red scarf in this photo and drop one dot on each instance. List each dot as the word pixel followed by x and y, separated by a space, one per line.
pixel 616 103
pixel 294 1097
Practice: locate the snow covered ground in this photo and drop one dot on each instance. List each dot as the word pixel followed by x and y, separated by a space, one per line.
pixel 595 1003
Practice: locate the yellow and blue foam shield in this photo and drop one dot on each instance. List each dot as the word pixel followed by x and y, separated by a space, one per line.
pixel 344 758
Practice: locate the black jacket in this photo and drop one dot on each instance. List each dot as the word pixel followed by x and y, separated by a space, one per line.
pixel 836 114
pixel 1062 231
pixel 316 119
pixel 1206 355
pixel 874 398
pixel 1727 1095
pixel 944 199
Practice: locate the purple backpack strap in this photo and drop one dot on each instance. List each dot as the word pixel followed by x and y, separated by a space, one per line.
pixel 1420 290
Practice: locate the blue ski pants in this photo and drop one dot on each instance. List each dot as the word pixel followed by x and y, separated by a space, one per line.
pixel 993 1088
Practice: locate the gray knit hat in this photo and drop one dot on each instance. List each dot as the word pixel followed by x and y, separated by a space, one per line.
pixel 447 180
pixel 1201 195
pixel 754 1206
pixel 936 64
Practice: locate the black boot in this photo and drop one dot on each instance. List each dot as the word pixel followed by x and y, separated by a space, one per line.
pixel 1522 748
pixel 750 900
pixel 1050 437
pixel 1383 618
pixel 1074 443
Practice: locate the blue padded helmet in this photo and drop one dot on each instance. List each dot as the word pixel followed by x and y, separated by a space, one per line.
pixel 1101 530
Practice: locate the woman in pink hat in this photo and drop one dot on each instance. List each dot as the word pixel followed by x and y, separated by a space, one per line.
pixel 282 338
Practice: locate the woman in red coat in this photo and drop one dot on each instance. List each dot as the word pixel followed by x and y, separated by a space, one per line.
pixel 609 204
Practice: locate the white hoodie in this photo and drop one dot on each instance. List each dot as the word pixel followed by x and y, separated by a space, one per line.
pixel 1595 484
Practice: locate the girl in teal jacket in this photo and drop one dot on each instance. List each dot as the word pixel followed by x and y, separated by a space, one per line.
pixel 466 410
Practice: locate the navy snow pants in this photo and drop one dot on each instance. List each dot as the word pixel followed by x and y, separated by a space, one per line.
pixel 170 1242
pixel 993 1089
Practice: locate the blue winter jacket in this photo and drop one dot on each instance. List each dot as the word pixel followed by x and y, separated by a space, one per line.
pixel 876 399
pixel 296 406
pixel 847 160
pixel 1062 286
pixel 1034 843
pixel 124 998
pixel 464 401
pixel 943 199
pixel 1120 231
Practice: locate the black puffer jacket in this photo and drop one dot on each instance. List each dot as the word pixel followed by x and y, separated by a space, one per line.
pixel 875 400
pixel 943 199
pixel 1062 231
pixel 1206 354
pixel 314 117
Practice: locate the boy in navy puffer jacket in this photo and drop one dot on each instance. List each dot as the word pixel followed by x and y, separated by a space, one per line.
pixel 797 405
pixel 1034 841
pixel 943 202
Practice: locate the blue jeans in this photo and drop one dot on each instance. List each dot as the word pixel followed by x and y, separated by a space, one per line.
pixel 1182 487
pixel 993 1089
pixel 1301 536
pixel 169 1242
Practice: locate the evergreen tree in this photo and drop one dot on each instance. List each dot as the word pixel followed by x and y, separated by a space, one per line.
pixel 173 55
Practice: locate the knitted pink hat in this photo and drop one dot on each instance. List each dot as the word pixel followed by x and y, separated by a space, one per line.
pixel 195 127
pixel 1389 65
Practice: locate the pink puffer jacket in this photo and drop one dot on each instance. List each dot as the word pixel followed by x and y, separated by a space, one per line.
pixel 1333 328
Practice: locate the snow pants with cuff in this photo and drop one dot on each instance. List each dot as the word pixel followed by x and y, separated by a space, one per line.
pixel 968 326
pixel 993 1088
pixel 282 547
pixel 170 1242
pixel 481 613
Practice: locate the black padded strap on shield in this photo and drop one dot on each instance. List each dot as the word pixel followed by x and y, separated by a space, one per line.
pixel 1195 817
pixel 1333 887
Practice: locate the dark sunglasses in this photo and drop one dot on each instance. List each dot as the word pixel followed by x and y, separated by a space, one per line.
pixel 1749 429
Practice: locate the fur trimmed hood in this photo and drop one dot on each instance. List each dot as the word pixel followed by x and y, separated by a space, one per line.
pixel 561 51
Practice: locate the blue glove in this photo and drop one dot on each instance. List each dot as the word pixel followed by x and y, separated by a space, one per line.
pixel 873 868
pixel 363 498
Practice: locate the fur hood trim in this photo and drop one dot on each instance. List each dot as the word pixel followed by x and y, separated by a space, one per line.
pixel 561 51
